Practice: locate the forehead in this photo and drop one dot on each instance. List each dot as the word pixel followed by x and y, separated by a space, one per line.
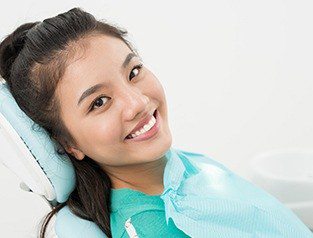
pixel 95 55
pixel 97 50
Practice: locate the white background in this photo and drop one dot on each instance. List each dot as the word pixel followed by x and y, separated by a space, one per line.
pixel 237 75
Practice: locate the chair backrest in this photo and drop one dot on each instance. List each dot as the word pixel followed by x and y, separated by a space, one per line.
pixel 30 153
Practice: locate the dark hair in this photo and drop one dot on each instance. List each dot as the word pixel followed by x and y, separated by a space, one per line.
pixel 33 60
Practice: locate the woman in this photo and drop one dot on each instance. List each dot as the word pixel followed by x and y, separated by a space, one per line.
pixel 82 81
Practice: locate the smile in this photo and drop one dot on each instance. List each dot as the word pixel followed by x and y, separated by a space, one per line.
pixel 147 131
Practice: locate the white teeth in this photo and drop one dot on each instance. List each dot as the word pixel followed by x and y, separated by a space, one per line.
pixel 145 128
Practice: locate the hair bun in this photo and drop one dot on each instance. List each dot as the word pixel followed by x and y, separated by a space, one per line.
pixel 11 46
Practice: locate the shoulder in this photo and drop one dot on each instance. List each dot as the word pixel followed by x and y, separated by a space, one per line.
pixel 69 225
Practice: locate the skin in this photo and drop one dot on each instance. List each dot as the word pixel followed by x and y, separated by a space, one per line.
pixel 128 96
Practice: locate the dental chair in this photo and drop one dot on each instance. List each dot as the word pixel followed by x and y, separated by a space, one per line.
pixel 29 152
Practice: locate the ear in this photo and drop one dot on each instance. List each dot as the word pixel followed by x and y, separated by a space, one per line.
pixel 75 152
pixel 72 150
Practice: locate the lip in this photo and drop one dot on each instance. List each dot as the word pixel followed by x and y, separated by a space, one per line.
pixel 149 134
pixel 142 123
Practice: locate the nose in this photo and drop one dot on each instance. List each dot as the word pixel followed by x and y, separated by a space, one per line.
pixel 135 104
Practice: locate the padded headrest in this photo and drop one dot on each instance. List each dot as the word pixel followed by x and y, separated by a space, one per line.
pixel 29 152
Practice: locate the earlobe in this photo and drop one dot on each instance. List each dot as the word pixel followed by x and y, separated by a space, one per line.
pixel 73 151
pixel 77 153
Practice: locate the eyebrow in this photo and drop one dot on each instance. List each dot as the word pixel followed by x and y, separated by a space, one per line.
pixel 96 87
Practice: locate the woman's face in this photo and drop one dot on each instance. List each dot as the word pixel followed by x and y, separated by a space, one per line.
pixel 101 121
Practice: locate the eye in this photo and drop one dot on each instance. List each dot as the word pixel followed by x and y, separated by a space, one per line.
pixel 97 102
pixel 136 69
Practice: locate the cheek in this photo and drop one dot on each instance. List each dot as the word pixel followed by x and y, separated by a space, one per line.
pixel 160 93
pixel 104 131
pixel 100 137
pixel 156 88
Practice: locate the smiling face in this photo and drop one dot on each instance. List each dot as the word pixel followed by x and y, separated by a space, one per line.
pixel 101 119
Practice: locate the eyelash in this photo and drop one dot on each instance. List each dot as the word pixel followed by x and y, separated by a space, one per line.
pixel 139 66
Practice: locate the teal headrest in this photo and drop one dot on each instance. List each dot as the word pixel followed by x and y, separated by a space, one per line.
pixel 58 170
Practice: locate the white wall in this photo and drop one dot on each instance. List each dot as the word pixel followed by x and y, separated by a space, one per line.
pixel 238 77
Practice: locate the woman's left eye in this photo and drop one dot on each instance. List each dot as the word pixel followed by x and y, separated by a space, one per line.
pixel 136 69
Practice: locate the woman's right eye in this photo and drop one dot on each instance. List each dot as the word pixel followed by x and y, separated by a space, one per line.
pixel 97 102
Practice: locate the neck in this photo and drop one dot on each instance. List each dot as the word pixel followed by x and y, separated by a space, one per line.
pixel 146 177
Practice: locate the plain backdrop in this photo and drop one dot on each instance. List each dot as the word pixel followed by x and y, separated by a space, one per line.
pixel 237 76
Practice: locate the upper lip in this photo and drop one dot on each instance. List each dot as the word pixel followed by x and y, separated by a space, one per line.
pixel 146 118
